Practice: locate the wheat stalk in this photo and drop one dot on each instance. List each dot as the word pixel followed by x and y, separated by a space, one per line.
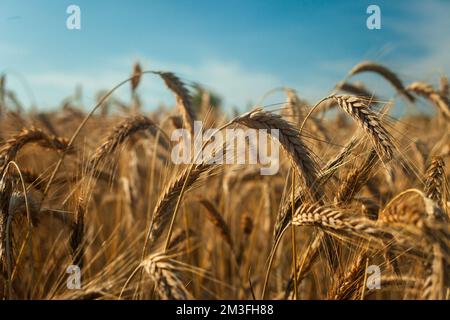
pixel 77 234
pixel 356 89
pixel 355 180
pixel 217 220
pixel 5 195
pixel 369 66
pixel 121 133
pixel 290 139
pixel 168 199
pixel 327 172
pixel 12 146
pixel 349 282
pixel 184 100
pixel 425 90
pixel 304 264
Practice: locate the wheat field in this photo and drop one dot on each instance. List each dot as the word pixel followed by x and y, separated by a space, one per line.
pixel 357 190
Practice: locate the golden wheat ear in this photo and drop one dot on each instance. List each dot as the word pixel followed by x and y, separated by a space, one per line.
pixel 290 140
pixel 435 180
pixel 163 272
pixel 11 148
pixel 121 133
pixel 183 98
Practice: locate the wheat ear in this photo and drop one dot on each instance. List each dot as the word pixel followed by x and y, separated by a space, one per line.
pixel 370 122
pixel 164 273
pixel 434 183
pixel 183 98
pixel 290 139
pixel 121 133
pixel 9 150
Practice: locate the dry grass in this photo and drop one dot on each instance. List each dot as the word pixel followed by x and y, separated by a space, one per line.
pixel 99 190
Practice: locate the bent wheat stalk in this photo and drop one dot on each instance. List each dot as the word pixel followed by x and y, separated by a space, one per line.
pixel 184 100
pixel 290 140
pixel 121 133
pixel 427 91
pixel 368 120
pixel 391 77
pixel 9 151
pixel 356 89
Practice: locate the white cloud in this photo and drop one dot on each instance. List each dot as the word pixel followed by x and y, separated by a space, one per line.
pixel 237 85
pixel 424 28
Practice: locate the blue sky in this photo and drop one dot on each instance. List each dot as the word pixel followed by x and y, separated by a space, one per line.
pixel 240 49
